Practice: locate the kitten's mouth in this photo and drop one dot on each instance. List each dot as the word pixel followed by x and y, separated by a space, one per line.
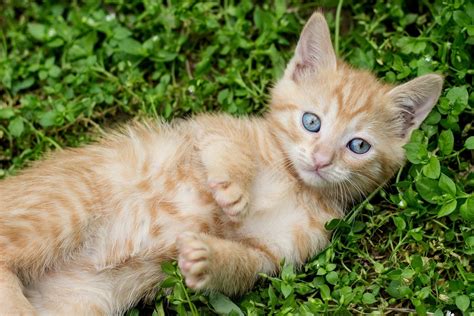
pixel 317 174
pixel 312 176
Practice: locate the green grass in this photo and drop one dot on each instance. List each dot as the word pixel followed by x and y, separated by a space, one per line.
pixel 68 70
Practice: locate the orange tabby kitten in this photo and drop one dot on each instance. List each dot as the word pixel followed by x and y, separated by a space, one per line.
pixel 84 231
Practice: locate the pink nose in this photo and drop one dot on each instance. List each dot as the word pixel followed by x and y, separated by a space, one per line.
pixel 321 160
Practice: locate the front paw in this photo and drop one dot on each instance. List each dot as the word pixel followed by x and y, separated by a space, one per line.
pixel 194 260
pixel 230 196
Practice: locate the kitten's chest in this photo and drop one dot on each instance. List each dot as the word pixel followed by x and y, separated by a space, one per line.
pixel 279 220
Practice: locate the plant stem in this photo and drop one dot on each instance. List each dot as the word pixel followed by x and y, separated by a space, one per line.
pixel 338 18
pixel 363 203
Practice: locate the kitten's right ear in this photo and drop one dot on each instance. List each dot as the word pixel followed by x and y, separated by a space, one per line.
pixel 314 50
pixel 415 100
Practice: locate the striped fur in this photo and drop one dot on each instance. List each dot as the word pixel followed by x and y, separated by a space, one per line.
pixel 84 231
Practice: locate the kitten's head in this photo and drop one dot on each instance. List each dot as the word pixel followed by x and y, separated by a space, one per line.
pixel 339 125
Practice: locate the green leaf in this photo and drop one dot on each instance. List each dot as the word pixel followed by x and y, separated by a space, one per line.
pixel 179 292
pixel 159 310
pixel 438 312
pixel 399 223
pixel 417 136
pixel 446 142
pixel 470 242
pixel 16 127
pixel 332 277
pixel 433 118
pixel 417 263
pixel 57 42
pixel 325 292
pixel 6 113
pixel 272 296
pixel 38 31
pixel 280 7
pixel 424 292
pixel 467 210
pixel 263 19
pixel 407 274
pixel 120 32
pixel 378 267
pixel 331 266
pixel 165 56
pixel 398 290
pixel 432 169
pixel 463 302
pixel 83 46
pixel 411 45
pixel 180 310
pixel 24 84
pixel 458 98
pixel 48 119
pixel 287 273
pixel 416 152
pixel 223 305
pixel 222 96
pixel 362 58
pixel 133 312
pixel 359 226
pixel 286 289
pixel 447 208
pixel 132 47
pixel 447 185
pixel 169 282
pixel 428 189
pixel 54 71
pixel 168 267
pixel 470 30
pixel 461 18
pixel 469 144
pixel 334 223
pixel 368 298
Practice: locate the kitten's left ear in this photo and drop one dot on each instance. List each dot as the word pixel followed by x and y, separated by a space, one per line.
pixel 314 50
pixel 415 99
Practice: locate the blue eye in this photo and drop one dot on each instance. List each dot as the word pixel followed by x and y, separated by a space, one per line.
pixel 359 146
pixel 311 122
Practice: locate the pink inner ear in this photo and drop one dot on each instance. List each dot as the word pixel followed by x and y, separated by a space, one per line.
pixel 314 50
pixel 416 99
pixel 422 111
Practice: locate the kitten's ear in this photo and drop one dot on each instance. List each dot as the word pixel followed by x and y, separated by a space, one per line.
pixel 314 50
pixel 415 99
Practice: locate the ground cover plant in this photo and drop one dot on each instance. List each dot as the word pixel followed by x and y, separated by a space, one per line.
pixel 69 70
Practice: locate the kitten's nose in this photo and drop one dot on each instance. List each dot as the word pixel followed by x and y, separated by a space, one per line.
pixel 322 159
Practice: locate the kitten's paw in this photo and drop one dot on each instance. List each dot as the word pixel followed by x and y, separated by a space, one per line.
pixel 230 196
pixel 193 260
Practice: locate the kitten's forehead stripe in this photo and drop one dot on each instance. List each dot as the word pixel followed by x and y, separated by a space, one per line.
pixel 339 93
pixel 340 98
pixel 285 107
pixel 359 93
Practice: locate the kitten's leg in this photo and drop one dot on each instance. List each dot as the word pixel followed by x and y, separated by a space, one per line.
pixel 211 263
pixel 12 300
pixel 229 172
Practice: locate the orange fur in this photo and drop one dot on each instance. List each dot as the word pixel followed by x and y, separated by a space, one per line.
pixel 85 230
